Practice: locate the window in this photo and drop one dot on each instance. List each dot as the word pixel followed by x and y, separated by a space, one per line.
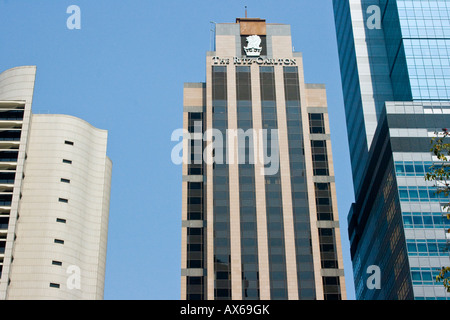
pixel 70 143
pixel 323 201
pixel 427 247
pixel 59 241
pixel 412 168
pixel 2 246
pixel 195 288
pixel 327 248
pixel 195 248
pixel 63 200
pixel 331 288
pixel 424 276
pixel 415 194
pixel 67 161
pixel 60 220
pixel 319 157
pixel 65 180
pixel 316 123
pixel 4 222
pixel 56 263
pixel 195 122
pixel 54 285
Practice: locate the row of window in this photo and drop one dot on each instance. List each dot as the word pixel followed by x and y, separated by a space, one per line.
pixel 421 220
pixel 319 157
pixel 431 298
pixel 415 194
pixel 324 204
pixel 331 288
pixel 425 276
pixel 327 243
pixel 316 123
pixel 412 168
pixel 428 247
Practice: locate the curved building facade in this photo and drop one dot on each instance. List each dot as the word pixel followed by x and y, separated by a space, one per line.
pixel 55 218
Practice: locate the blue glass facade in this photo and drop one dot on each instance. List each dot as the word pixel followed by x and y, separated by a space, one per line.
pixel 415 37
pixel 351 90
pixel 418 45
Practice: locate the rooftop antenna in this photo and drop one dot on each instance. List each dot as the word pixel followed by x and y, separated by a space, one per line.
pixel 212 45
pixel 246 11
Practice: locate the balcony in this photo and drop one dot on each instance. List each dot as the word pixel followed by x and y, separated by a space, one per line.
pixel 10 138
pixel 7 179
pixel 5 200
pixel 4 223
pixel 8 159
pixel 11 115
pixel 10 135
pixel 8 156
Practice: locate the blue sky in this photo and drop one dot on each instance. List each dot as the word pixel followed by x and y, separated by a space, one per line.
pixel 124 71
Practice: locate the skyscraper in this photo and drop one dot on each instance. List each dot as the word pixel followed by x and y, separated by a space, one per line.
pixel 54 187
pixel 259 213
pixel 395 67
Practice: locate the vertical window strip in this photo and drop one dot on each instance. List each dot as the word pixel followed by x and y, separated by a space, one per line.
pixel 221 201
pixel 319 157
pixel 274 208
pixel 300 206
pixel 195 125
pixel 249 241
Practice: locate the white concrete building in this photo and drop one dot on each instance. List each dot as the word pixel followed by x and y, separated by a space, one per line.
pixel 55 181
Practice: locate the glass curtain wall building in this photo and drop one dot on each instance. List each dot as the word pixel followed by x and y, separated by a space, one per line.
pixel 395 68
pixel 259 215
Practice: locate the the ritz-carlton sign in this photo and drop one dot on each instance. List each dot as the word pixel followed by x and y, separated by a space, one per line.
pixel 259 61
pixel 253 51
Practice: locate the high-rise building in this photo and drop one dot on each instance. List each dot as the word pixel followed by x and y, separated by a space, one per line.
pixel 54 199
pixel 259 213
pixel 395 66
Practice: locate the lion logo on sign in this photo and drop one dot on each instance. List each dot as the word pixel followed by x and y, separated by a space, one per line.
pixel 253 48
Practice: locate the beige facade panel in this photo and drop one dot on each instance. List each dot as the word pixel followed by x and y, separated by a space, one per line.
pixel 317 96
pixel 194 95
pixel 72 232
pixel 282 46
pixel 225 46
